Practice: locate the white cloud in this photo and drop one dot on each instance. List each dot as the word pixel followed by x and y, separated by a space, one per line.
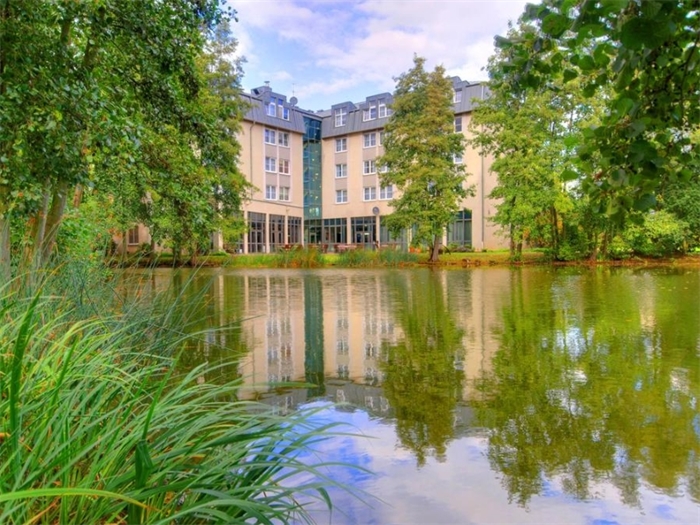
pixel 327 48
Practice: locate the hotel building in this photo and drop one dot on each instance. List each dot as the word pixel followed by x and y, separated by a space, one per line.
pixel 317 178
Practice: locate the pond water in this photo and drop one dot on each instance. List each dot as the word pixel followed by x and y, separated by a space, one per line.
pixel 485 396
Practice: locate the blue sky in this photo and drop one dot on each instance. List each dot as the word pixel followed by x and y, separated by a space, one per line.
pixel 329 51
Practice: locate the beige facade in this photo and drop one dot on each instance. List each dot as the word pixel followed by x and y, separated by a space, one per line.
pixel 272 161
pixel 331 195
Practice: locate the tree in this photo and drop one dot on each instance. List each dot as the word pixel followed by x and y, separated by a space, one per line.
pixel 646 53
pixel 531 133
pixel 78 81
pixel 419 151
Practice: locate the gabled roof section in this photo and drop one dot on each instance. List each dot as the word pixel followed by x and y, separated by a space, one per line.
pixel 272 109
pixel 466 92
pixel 363 116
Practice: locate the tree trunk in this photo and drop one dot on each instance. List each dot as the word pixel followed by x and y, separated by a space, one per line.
pixel 511 242
pixel 435 249
pixel 5 256
pixel 53 220
pixel 37 229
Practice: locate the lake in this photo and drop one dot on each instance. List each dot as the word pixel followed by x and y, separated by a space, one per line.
pixel 479 396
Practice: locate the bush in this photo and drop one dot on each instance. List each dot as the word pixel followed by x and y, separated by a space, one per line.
pixel 660 234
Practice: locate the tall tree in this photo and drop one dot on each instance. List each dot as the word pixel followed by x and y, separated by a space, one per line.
pixel 531 134
pixel 419 152
pixel 646 53
pixel 77 81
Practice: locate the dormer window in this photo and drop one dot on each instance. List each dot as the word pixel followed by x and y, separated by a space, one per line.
pixel 275 108
pixel 370 113
pixel 384 111
pixel 341 117
pixel 457 97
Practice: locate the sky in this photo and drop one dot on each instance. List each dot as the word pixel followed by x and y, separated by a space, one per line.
pixel 329 51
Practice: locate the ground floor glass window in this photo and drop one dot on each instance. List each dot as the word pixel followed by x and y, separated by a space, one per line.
pixel 256 232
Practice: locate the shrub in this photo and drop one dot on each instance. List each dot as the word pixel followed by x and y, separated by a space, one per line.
pixel 660 234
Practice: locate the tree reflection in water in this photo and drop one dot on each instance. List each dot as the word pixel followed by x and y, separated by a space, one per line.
pixel 602 385
pixel 420 379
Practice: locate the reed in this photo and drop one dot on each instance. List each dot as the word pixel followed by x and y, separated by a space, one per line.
pixel 97 425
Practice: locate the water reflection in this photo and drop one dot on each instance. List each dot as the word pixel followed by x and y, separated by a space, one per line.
pixel 595 390
pixel 579 379
pixel 423 372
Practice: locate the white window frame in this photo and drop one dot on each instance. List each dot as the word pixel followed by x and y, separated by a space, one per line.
pixel 284 193
pixel 271 164
pixel 271 108
pixel 270 136
pixel 458 124
pixel 458 158
pixel 271 192
pixel 283 166
pixel 370 113
pixel 369 193
pixel 341 117
pixel 341 144
pixel 382 135
pixel 369 167
pixel 457 96
pixel 283 138
pixel 382 109
pixel 341 171
pixel 285 111
pixel 386 193
pixel 341 196
pixel 370 140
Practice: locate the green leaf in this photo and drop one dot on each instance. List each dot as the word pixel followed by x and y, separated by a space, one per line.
pixel 569 175
pixel 645 32
pixel 569 75
pixel 645 202
pixel 555 24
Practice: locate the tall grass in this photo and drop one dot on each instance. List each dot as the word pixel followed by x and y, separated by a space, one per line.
pixel 300 257
pixel 360 258
pixel 98 426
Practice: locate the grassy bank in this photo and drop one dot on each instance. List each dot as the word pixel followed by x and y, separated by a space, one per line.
pixel 97 424
pixel 395 259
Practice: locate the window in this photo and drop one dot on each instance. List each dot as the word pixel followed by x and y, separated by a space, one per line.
pixel 370 140
pixel 381 138
pixel 271 193
pixel 457 97
pixel 293 230
pixel 341 144
pixel 341 196
pixel 276 224
pixel 384 169
pixel 133 236
pixel 386 193
pixel 335 230
pixel 370 193
pixel 256 232
pixel 341 117
pixel 370 166
pixel 458 124
pixel 284 193
pixel 275 108
pixel 383 110
pixel 371 112
pixel 269 136
pixel 283 139
pixel 284 166
pixel 458 159
pixel 270 163
pixel 341 171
